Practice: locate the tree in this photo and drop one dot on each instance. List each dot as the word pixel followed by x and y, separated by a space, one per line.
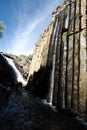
pixel 2 27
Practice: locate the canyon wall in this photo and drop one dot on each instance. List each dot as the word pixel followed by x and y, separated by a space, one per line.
pixel 41 50
pixel 63 47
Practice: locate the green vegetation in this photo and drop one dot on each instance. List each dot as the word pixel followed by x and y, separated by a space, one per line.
pixel 72 1
pixel 66 10
pixel 84 34
pixel 42 36
pixel 85 48
pixel 30 57
pixel 2 27
pixel 20 57
pixel 24 57
pixel 64 37
pixel 52 22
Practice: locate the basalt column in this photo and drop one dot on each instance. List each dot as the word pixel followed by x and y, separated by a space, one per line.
pixel 69 71
pixel 51 59
pixel 66 55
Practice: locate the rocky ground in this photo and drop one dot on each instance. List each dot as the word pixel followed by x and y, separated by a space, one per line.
pixel 22 110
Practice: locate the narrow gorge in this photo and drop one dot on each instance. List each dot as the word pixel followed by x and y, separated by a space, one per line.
pixel 48 91
pixel 63 49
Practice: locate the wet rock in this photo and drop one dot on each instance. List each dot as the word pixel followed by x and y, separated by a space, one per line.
pixel 24 111
pixel 3 94
pixel 29 125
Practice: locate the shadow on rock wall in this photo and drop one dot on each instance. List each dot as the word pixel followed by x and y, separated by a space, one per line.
pixel 39 82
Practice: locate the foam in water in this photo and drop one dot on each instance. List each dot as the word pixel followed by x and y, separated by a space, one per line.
pixel 18 74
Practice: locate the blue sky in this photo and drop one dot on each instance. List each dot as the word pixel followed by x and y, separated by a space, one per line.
pixel 25 20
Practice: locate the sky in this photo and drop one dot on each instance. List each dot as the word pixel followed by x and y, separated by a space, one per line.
pixel 25 21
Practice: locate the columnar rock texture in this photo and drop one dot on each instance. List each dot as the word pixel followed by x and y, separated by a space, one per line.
pixel 63 47
pixel 41 50
pixel 39 71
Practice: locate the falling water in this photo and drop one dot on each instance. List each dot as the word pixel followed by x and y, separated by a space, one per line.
pixel 65 54
pixel 67 21
pixel 54 41
pixel 18 74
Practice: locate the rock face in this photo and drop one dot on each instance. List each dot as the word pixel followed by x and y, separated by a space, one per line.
pixel 58 73
pixel 9 71
pixel 63 47
pixel 39 58
pixel 22 63
pixel 7 74
pixel 39 70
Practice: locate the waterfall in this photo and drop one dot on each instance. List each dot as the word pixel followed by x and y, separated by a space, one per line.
pixel 15 71
pixel 54 41
pixel 67 20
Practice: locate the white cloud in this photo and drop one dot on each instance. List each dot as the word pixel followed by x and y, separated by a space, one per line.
pixel 21 40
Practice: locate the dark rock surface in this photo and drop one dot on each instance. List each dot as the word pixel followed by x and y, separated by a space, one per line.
pixel 24 111
pixel 22 63
pixel 39 82
pixel 7 73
